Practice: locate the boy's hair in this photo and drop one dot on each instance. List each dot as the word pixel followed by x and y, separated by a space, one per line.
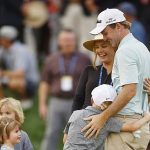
pixel 6 126
pixel 107 103
pixel 14 106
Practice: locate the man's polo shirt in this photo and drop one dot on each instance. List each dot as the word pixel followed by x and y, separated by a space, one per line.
pixel 132 65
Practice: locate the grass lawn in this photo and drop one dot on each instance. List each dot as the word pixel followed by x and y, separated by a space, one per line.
pixel 35 127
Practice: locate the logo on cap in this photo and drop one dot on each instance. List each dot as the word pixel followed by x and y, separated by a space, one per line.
pixel 110 20
pixel 99 21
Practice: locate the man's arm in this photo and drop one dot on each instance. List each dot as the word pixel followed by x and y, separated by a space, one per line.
pixel 43 94
pixel 13 74
pixel 133 126
pixel 147 87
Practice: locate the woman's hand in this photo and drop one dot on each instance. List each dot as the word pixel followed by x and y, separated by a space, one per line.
pixel 147 85
pixel 94 127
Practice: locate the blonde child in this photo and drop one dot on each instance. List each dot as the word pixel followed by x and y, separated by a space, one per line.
pixel 11 108
pixel 10 133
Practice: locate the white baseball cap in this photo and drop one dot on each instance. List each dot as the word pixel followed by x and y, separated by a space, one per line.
pixel 103 93
pixel 8 32
pixel 107 17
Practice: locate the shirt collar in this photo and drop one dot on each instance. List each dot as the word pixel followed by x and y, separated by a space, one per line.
pixel 125 39
pixel 91 108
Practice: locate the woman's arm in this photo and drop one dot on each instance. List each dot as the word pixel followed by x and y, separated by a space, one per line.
pixel 133 126
pixel 79 97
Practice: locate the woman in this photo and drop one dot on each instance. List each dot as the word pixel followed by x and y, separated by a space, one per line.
pixel 93 76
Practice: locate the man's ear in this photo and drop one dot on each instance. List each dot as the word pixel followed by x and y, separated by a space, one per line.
pixel 92 100
pixel 118 26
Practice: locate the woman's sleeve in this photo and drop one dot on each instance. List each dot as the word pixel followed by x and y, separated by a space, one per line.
pixel 79 97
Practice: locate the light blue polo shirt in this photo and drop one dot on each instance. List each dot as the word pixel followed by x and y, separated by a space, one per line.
pixel 132 65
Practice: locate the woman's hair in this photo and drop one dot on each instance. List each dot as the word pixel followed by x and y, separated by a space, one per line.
pixel 14 106
pixel 6 126
pixel 94 62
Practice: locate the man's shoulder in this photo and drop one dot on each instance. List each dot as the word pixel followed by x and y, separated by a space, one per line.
pixel 52 57
pixel 82 55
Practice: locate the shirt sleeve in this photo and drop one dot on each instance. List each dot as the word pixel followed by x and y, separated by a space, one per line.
pixel 127 67
pixel 26 142
pixel 21 61
pixel 79 97
pixel 114 125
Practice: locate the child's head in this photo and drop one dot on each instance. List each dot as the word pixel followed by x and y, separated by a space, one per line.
pixel 9 131
pixel 103 94
pixel 11 108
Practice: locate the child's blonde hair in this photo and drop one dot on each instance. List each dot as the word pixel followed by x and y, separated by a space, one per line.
pixel 6 126
pixel 14 106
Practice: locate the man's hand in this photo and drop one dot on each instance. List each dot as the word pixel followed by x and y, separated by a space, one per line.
pixel 1 73
pixel 43 111
pixel 147 85
pixel 94 127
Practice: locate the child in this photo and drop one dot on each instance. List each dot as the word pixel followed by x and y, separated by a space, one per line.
pixel 10 133
pixel 11 108
pixel 102 97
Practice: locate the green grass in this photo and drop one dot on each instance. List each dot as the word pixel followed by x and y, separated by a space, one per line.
pixel 35 127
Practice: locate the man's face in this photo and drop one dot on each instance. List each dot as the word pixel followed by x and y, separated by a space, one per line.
pixel 112 35
pixel 67 42
pixel 5 42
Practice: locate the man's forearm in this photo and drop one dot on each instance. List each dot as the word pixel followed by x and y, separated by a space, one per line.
pixel 43 92
pixel 14 74
pixel 127 93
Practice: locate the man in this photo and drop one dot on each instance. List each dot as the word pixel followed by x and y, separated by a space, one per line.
pixel 131 67
pixel 60 77
pixel 18 70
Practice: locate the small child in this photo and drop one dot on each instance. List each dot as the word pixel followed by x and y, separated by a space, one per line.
pixel 102 97
pixel 10 133
pixel 12 109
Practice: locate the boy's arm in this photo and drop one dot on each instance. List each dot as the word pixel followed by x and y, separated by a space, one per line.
pixel 65 138
pixel 133 126
pixel 66 132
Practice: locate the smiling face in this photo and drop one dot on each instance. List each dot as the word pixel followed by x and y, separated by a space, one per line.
pixel 105 51
pixel 112 34
pixel 67 42
pixel 6 112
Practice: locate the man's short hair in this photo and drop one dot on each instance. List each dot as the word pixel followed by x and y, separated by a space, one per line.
pixel 126 24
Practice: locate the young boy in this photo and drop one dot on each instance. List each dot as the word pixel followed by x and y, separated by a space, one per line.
pixel 102 97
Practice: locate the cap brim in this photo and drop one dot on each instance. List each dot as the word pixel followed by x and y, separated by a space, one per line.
pixel 97 30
